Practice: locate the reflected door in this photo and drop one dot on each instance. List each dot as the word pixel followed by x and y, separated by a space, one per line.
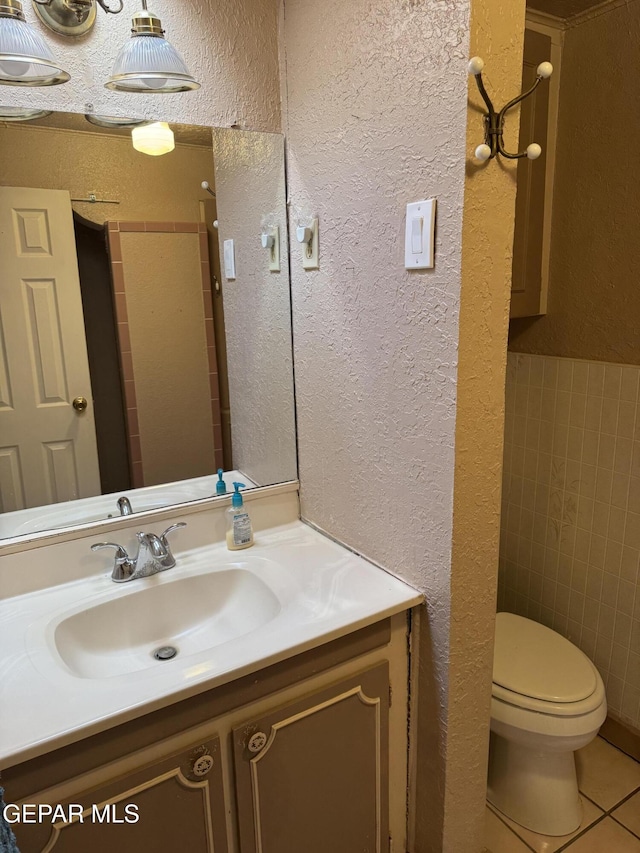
pixel 47 443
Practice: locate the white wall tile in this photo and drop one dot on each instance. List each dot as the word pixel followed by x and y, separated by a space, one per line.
pixel 570 553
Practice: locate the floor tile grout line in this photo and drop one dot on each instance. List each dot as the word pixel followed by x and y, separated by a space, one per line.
pixel 624 800
pixel 630 831
pixel 499 816
pixel 621 751
pixel 617 804
pixel 593 802
pixel 581 834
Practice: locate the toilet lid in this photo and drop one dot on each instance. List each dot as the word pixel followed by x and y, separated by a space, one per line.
pixel 535 661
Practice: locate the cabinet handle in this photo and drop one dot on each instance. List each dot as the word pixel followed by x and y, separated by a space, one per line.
pixel 257 742
pixel 202 765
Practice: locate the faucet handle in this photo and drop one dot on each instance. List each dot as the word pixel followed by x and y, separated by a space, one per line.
pixel 123 567
pixel 163 536
pixel 121 554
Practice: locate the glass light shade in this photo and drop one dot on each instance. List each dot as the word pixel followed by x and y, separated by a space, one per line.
pixel 114 121
pixel 154 139
pixel 148 63
pixel 21 114
pixel 25 57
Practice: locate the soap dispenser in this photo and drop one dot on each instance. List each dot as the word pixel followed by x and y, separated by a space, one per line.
pixel 221 486
pixel 239 529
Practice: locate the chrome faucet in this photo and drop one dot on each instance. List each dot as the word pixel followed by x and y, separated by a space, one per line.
pixel 154 555
pixel 124 505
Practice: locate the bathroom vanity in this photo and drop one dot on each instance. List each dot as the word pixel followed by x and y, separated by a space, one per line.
pixel 293 701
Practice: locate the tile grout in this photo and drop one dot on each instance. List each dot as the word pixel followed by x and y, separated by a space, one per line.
pixel 499 816
pixel 605 814
pixel 584 831
pixel 630 831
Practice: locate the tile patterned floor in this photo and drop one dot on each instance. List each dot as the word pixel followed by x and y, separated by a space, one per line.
pixel 609 783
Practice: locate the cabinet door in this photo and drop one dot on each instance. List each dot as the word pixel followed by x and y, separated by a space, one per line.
pixel 312 776
pixel 178 802
pixel 530 260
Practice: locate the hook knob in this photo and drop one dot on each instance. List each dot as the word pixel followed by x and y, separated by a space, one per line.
pixel 476 64
pixel 533 151
pixel 483 152
pixel 544 70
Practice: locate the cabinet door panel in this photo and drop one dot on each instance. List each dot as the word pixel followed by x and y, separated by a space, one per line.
pixel 318 783
pixel 176 809
pixel 528 272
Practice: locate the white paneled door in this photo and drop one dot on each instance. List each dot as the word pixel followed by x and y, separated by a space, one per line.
pixel 47 445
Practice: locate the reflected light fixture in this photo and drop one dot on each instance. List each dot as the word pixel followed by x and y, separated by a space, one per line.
pixel 154 139
pixel 25 57
pixel 148 63
pixel 21 114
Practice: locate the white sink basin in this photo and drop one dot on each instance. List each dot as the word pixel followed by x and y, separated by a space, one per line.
pixel 192 614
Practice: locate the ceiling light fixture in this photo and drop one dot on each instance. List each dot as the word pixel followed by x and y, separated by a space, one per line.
pixel 21 114
pixel 114 121
pixel 25 57
pixel 154 139
pixel 71 17
pixel 148 62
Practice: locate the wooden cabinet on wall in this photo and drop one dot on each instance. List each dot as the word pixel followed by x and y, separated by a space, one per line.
pixel 538 122
pixel 294 758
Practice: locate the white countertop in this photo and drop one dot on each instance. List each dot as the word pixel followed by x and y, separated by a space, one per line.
pixel 323 591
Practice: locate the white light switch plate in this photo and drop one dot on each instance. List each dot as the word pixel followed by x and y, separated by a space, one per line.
pixel 419 235
pixel 229 259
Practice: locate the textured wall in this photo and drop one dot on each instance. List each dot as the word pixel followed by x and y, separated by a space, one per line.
pixel 230 46
pixel 594 301
pixel 161 188
pixel 375 118
pixel 379 124
pixel 250 189
pixel 570 550
pixel 497 31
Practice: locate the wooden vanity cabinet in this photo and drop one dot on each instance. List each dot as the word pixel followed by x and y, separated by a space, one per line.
pixel 174 804
pixel 312 776
pixel 292 758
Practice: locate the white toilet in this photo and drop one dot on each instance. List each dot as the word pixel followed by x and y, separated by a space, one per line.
pixel 547 701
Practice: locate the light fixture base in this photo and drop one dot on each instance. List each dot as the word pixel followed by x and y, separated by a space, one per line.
pixel 59 17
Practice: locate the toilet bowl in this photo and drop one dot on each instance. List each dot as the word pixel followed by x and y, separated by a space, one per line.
pixel 547 701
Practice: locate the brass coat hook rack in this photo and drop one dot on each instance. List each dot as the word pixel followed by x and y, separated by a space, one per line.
pixel 494 121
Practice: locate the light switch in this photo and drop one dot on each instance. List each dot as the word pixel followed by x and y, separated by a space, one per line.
pixel 419 235
pixel 416 235
pixel 229 259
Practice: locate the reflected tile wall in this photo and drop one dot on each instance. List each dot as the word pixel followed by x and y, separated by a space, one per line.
pixel 570 530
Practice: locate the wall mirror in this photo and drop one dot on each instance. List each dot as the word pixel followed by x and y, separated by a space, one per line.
pixel 131 365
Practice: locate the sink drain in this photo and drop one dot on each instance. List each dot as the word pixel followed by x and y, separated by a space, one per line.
pixel 165 653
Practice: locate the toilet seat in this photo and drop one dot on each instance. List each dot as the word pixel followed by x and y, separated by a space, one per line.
pixel 538 670
pixel 552 709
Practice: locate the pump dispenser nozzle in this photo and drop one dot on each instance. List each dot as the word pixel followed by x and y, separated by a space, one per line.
pixel 221 486
pixel 236 500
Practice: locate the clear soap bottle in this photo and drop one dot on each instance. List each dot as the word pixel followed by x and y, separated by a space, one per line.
pixel 239 529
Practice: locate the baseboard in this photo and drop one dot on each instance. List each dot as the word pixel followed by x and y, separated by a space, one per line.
pixel 622 736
